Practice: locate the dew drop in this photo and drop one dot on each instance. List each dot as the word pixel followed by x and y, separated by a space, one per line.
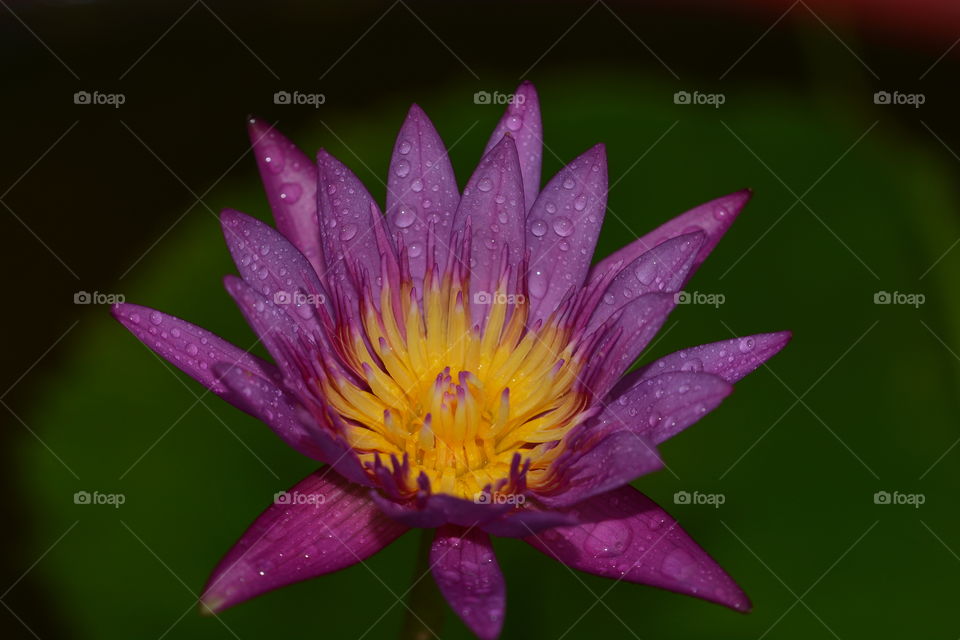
pixel 608 539
pixel 404 148
pixel 538 228
pixel 562 226
pixel 348 231
pixel 405 216
pixel 290 192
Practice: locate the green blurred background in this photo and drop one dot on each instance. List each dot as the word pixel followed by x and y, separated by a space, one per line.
pixel 851 198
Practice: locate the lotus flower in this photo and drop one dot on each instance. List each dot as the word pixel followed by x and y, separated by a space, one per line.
pixel 459 365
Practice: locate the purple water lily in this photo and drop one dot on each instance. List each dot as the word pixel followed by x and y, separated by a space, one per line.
pixel 458 364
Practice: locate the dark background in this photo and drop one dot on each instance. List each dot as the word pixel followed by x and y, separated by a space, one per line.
pixel 852 198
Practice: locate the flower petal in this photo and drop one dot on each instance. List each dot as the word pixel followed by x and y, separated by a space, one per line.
pixel 326 524
pixel 290 180
pixel 193 350
pixel 421 189
pixel 522 121
pixel 439 509
pixel 525 522
pixel 616 460
pixel 270 403
pixel 562 230
pixel 638 323
pixel 492 203
pixel 274 267
pixel 346 211
pixel 466 570
pixel 663 268
pixel 729 359
pixel 664 405
pixel 713 218
pixel 628 537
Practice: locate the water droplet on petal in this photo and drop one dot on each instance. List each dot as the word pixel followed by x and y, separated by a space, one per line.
pixel 405 216
pixel 290 192
pixel 485 184
pixel 348 231
pixel 404 148
pixel 402 169
pixel 608 539
pixel 563 226
pixel 538 228
pixel 678 565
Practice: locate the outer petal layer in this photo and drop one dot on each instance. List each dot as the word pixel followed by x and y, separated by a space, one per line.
pixel 193 350
pixel 421 190
pixel 290 180
pixel 469 577
pixel 274 267
pixel 522 121
pixel 713 218
pixel 663 268
pixel 626 536
pixel 272 404
pixel 562 229
pixel 328 524
pixel 663 406
pixel 617 459
pixel 729 359
pixel 492 204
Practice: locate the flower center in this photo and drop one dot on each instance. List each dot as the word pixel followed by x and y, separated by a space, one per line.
pixel 458 399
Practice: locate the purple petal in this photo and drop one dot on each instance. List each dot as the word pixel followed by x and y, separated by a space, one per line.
pixel 274 268
pixel 466 570
pixel 273 326
pixel 663 268
pixel 713 218
pixel 729 359
pixel 617 459
pixel 270 403
pixel 193 350
pixel 346 224
pixel 421 189
pixel 519 524
pixel 664 405
pixel 639 321
pixel 522 121
pixel 326 524
pixel 439 509
pixel 493 203
pixel 628 537
pixel 562 229
pixel 290 180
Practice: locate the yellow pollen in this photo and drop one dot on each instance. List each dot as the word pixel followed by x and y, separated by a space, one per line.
pixel 460 401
